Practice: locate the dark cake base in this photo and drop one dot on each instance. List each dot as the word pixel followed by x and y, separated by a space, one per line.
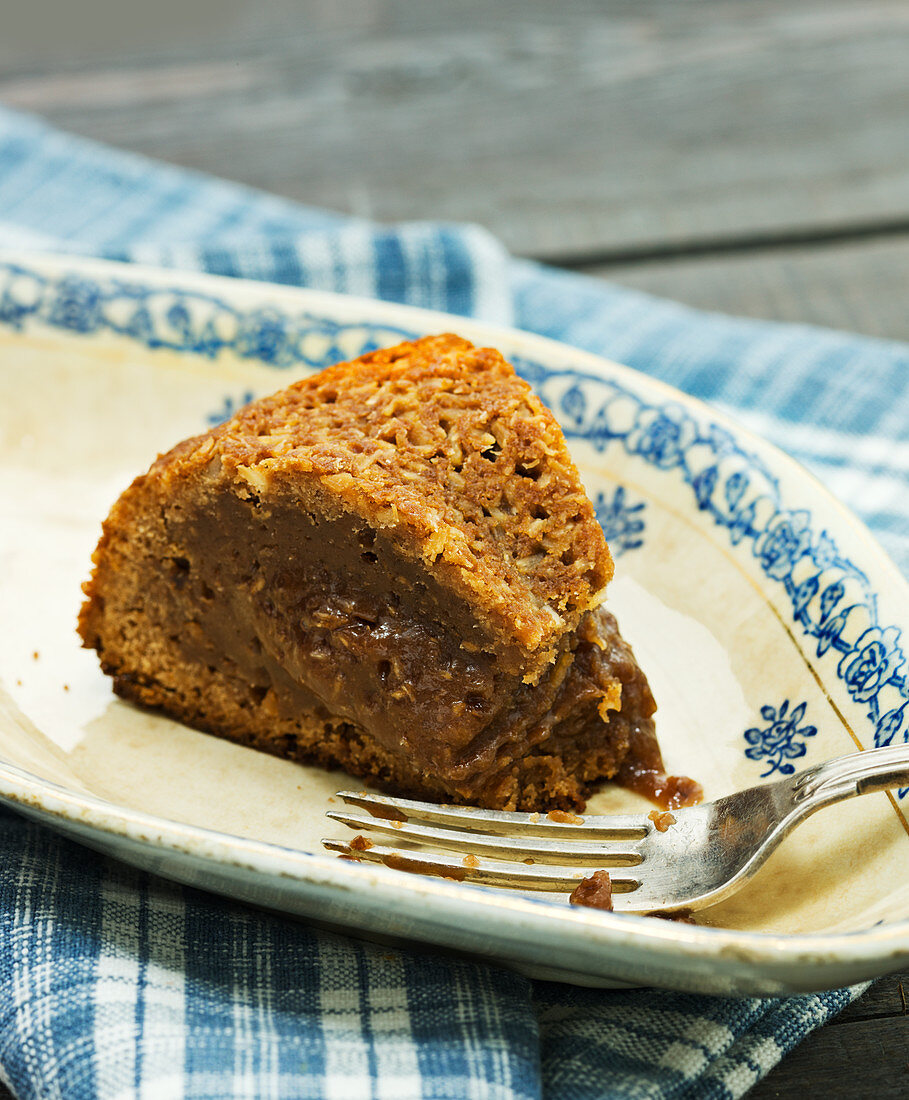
pixel 558 767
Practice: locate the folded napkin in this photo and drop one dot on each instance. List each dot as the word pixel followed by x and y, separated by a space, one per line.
pixel 114 983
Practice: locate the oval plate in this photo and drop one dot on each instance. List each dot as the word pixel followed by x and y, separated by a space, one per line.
pixel 766 617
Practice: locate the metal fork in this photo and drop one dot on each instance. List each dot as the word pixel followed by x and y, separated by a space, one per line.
pixel 705 854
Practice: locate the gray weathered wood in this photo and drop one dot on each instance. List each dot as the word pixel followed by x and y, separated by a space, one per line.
pixel 569 129
pixel 886 997
pixel 866 1058
pixel 859 285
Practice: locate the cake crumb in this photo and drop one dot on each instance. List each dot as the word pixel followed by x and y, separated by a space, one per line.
pixel 361 843
pixel 66 687
pixel 563 817
pixel 595 891
pixel 661 819
pixel 470 861
pixel 35 655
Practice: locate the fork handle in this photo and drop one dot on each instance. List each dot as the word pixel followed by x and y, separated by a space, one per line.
pixel 848 776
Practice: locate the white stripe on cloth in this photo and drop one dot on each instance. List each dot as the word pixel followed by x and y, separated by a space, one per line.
pixel 492 298
pixel 746 1067
pixel 870 452
pixel 163 1059
pixel 398 1069
pixel 16 236
pixel 116 983
pixel 125 958
pixel 693 1040
pixel 244 1014
pixel 346 1075
pixel 269 1037
pixel 488 1067
pixel 34 975
pixel 355 258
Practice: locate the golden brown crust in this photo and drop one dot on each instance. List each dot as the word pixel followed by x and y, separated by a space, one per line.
pixel 441 445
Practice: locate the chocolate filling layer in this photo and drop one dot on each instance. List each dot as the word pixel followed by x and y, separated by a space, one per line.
pixel 324 617
pixel 328 606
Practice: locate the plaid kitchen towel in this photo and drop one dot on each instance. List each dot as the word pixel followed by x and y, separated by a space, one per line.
pixel 116 984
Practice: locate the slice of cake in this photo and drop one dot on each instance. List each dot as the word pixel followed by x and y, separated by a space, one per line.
pixel 390 566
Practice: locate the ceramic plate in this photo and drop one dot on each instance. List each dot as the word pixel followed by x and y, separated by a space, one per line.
pixel 768 620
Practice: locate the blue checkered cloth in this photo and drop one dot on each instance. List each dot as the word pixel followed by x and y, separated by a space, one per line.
pixel 114 983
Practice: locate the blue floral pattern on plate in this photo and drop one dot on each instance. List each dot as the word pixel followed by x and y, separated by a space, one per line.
pixel 622 521
pixel 782 741
pixel 183 321
pixel 830 597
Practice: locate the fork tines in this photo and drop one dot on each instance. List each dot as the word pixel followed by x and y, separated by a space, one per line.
pixel 526 851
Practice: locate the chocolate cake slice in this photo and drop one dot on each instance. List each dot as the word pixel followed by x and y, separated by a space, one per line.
pixel 391 567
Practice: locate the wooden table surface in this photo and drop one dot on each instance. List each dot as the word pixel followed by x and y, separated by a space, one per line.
pixel 746 157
